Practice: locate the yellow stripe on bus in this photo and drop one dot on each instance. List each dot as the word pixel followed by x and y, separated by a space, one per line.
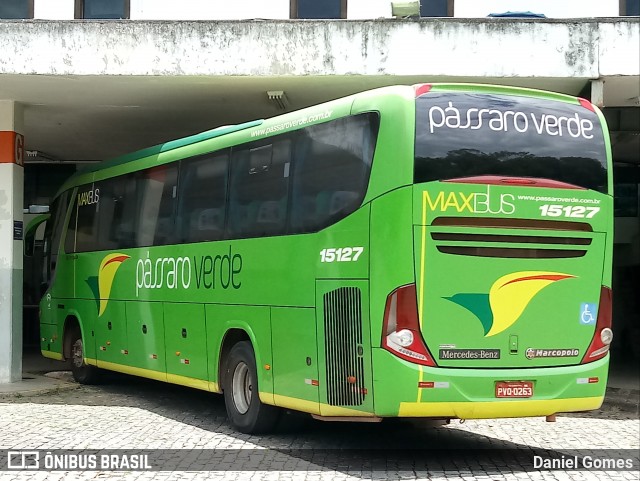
pixel 313 407
pixel 499 409
pixel 52 355
pixel 156 375
pixel 423 250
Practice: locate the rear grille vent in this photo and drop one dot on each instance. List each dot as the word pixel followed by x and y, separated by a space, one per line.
pixel 545 248
pixel 512 239
pixel 512 223
pixel 343 347
pixel 511 252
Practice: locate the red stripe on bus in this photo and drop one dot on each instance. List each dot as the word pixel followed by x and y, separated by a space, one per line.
pixel 545 277
pixel 519 181
pixel 116 259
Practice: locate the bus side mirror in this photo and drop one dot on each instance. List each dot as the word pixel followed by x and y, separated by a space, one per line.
pixel 30 234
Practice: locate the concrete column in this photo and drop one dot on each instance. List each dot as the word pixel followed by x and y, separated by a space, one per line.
pixel 597 93
pixel 11 231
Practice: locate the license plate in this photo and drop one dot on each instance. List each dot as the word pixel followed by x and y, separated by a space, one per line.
pixel 514 389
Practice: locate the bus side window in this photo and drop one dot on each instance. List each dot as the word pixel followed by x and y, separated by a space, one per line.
pixel 70 237
pixel 260 188
pixel 53 235
pixel 156 195
pixel 202 197
pixel 116 209
pixel 86 218
pixel 332 166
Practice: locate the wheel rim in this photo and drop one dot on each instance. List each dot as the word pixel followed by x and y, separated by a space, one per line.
pixel 77 353
pixel 241 387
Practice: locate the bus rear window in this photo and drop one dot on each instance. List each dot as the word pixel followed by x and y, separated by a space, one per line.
pixel 468 134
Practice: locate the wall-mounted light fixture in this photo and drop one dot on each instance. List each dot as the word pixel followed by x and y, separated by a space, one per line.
pixel 40 156
pixel 405 9
pixel 278 98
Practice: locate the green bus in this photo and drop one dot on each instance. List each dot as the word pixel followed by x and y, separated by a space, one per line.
pixel 437 250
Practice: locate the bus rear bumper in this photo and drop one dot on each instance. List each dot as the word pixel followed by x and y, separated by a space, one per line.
pixel 498 409
pixel 410 390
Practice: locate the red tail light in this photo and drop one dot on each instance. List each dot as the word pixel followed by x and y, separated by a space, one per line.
pixel 422 89
pixel 603 334
pixel 586 104
pixel 523 181
pixel 401 328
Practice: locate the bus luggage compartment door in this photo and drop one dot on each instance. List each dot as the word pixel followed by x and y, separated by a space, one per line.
pixel 295 358
pixel 344 348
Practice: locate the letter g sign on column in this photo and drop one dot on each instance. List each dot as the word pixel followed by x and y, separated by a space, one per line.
pixel 11 148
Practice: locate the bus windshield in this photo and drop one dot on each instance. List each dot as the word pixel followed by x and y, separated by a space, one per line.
pixel 472 134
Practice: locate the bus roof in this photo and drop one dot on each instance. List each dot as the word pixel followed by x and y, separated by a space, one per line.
pixel 172 144
pixel 79 177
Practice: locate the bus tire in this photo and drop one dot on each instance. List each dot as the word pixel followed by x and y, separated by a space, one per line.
pixel 240 384
pixel 83 373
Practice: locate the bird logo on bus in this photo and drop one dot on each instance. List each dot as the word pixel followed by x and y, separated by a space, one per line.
pixel 507 299
pixel 101 284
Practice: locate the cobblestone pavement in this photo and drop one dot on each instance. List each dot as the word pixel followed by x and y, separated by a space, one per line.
pixel 126 412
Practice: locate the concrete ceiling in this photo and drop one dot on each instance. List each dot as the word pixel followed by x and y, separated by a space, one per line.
pixel 80 118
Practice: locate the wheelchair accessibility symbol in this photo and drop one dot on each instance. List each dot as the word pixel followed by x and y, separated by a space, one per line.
pixel 588 313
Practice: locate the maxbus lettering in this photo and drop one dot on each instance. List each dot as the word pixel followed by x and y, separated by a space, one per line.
pixel 475 202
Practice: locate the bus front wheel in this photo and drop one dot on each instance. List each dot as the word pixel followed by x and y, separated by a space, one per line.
pixel 240 384
pixel 82 372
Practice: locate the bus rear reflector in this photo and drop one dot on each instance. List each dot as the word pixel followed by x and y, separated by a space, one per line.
pixel 401 328
pixel 586 104
pixel 603 334
pixel 520 181
pixel 421 89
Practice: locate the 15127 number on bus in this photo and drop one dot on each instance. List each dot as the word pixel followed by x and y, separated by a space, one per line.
pixel 343 254
pixel 574 211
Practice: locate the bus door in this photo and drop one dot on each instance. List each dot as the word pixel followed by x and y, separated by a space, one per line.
pixel 92 253
pixel 55 266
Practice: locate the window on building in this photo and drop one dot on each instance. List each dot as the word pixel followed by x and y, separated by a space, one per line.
pixel 436 8
pixel 102 9
pixel 318 9
pixel 630 8
pixel 16 9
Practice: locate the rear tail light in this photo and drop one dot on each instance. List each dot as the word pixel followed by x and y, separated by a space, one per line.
pixel 421 89
pixel 521 181
pixel 586 104
pixel 603 334
pixel 401 327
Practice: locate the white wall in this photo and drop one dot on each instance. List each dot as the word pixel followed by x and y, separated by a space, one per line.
pixel 367 9
pixel 208 9
pixel 53 9
pixel 551 8
pixel 356 9
pixel 563 50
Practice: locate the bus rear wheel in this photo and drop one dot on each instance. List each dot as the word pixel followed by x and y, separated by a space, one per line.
pixel 83 373
pixel 240 384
